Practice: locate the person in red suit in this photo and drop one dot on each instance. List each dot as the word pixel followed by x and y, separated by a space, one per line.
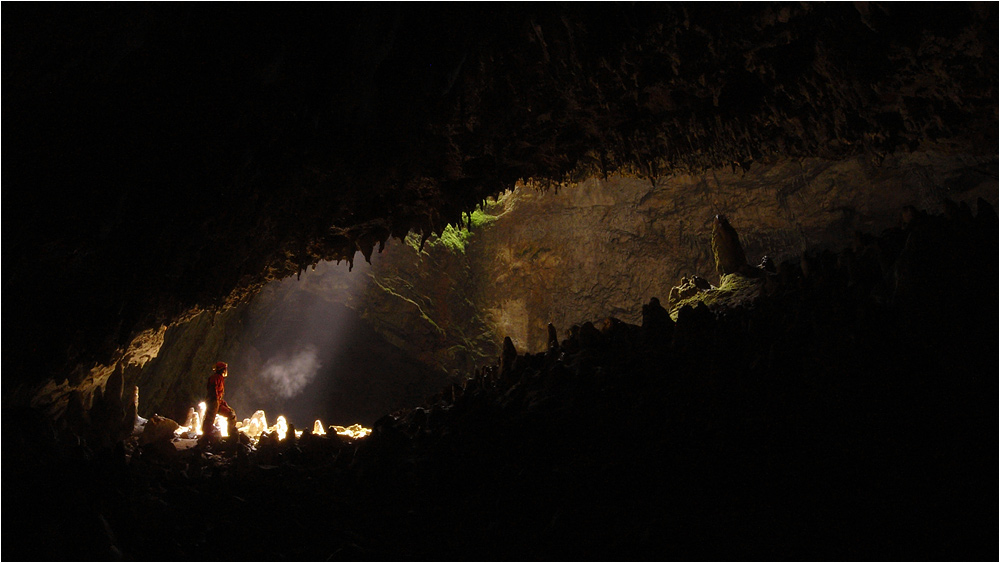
pixel 216 404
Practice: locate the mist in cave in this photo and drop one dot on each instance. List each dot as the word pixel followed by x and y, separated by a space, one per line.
pixel 297 349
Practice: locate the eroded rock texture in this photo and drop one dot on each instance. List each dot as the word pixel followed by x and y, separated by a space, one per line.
pixel 171 159
pixel 163 161
pixel 584 252
pixel 601 247
pixel 843 415
pixel 562 257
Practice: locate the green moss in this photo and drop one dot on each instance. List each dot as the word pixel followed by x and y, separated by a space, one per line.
pixel 455 239
pixel 480 218
pixel 413 241
pixel 452 238
pixel 733 290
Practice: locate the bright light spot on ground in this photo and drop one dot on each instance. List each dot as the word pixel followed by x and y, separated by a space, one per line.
pixel 223 425
pixel 281 427
pixel 256 426
pixel 353 431
pixel 253 426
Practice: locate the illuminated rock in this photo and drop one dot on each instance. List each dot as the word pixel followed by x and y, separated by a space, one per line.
pixel 281 427
pixel 140 422
pixel 192 424
pixel 318 428
pixel 353 431
pixel 689 287
pixel 255 425
pixel 222 424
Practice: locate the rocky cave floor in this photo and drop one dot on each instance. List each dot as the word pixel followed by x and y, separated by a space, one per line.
pixel 846 413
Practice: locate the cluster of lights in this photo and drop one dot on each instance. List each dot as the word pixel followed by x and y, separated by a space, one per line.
pixel 256 426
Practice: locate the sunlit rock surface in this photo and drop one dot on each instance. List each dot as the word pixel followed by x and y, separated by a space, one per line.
pixel 583 252
pixel 598 248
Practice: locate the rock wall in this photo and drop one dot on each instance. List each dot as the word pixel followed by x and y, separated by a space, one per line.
pixel 599 248
pixel 296 349
pixel 585 252
pixel 172 160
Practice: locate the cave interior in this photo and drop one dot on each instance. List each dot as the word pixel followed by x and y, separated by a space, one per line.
pixel 606 281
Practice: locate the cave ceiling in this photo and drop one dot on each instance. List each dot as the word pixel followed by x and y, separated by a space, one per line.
pixel 169 158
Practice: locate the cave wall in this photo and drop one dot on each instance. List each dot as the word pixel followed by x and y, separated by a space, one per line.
pixel 440 307
pixel 164 161
pixel 604 246
pixel 299 348
pixel 173 159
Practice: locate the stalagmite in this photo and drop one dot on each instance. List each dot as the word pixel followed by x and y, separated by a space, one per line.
pixel 318 428
pixel 553 338
pixel 507 355
pixel 726 248
pixel 193 421
pixel 256 425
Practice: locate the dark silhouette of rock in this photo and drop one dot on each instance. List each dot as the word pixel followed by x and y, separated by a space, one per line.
pixel 657 326
pixel 589 335
pixel 553 339
pixel 508 355
pixel 767 264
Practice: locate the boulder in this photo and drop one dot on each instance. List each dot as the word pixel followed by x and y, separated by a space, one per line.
pixel 158 429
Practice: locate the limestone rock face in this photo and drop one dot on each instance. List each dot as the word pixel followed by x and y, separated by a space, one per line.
pixel 340 127
pixel 602 247
pixel 584 252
